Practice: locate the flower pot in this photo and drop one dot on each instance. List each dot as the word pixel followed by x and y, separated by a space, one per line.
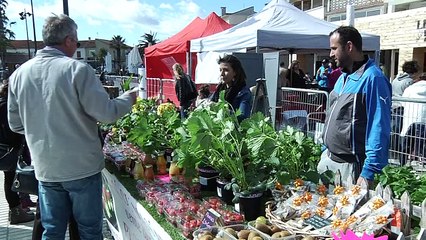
pixel 207 178
pixel 251 206
pixel 222 193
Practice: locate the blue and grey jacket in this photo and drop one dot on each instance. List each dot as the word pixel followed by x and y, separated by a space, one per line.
pixel 357 127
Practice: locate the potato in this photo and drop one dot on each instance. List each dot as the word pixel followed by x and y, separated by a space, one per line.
pixel 257 238
pixel 206 237
pixel 252 235
pixel 263 228
pixel 275 229
pixel 308 238
pixel 205 233
pixel 285 233
pixel 243 234
pixel 276 235
pixel 231 231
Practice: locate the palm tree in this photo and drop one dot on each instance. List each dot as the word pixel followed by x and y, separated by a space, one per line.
pixel 117 43
pixel 101 56
pixel 149 39
pixel 5 34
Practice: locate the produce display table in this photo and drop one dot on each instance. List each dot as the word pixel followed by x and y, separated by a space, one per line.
pixel 126 217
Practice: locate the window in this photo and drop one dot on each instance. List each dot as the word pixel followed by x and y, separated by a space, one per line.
pixel 78 54
pixel 359 14
pixel 334 19
pixel 298 5
pixel 317 3
pixel 373 13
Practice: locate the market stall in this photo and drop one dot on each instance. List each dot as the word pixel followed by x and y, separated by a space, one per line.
pixel 265 182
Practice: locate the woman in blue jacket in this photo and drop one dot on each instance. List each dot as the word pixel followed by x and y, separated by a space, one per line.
pixel 233 82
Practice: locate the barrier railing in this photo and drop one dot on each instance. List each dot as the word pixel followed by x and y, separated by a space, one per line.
pixel 408 132
pixel 303 109
pixel 306 110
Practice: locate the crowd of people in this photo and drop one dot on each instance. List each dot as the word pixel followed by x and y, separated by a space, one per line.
pixel 66 152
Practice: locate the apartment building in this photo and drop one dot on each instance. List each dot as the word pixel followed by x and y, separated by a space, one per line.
pixel 401 25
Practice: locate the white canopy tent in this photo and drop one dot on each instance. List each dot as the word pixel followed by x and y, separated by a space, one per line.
pixel 134 60
pixel 279 26
pixel 108 63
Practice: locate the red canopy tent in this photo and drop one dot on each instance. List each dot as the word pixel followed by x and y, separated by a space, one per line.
pixel 160 57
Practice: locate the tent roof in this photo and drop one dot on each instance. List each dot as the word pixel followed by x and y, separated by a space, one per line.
pixel 179 43
pixel 279 25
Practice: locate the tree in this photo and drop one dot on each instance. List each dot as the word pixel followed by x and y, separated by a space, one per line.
pixel 117 43
pixel 149 39
pixel 5 33
pixel 101 55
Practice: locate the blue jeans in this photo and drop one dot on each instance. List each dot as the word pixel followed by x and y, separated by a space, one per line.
pixel 82 198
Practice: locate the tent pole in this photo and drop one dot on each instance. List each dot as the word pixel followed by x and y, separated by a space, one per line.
pixel 187 63
pixel 189 67
pixel 377 57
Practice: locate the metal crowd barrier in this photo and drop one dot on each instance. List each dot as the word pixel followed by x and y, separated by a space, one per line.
pixel 408 133
pixel 303 109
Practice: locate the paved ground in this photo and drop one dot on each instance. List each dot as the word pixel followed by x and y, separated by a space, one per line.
pixel 21 231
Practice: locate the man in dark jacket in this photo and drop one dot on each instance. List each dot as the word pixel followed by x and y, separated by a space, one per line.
pixel 357 127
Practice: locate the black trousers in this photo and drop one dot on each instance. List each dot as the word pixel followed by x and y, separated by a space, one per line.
pixel 12 197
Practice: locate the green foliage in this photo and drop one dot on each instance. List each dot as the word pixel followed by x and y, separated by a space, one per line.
pixel 214 133
pixel 118 43
pixel 289 152
pixel 125 85
pixel 402 179
pixel 5 33
pixel 252 153
pixel 153 128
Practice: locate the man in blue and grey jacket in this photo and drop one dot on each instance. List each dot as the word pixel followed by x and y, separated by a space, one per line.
pixel 357 127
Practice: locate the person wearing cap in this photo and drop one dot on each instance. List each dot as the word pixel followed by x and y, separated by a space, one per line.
pixel 322 74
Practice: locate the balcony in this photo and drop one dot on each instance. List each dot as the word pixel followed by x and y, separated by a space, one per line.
pixel 338 6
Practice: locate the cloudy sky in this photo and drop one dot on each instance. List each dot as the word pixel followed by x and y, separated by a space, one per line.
pixel 128 18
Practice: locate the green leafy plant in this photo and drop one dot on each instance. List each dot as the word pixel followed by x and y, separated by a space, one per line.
pixel 214 133
pixel 154 128
pixel 402 179
pixel 125 84
pixel 289 152
pixel 216 136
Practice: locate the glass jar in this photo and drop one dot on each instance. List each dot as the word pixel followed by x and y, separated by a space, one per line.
pixel 174 170
pixel 138 171
pixel 149 173
pixel 161 164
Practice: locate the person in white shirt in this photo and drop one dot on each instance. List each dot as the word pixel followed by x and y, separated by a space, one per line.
pixel 414 117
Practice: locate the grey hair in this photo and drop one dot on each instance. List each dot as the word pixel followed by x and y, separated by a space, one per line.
pixel 56 28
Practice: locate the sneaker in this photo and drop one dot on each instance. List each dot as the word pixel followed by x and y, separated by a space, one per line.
pixel 18 215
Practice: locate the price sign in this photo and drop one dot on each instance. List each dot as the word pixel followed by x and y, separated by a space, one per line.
pixel 211 218
pixel 317 222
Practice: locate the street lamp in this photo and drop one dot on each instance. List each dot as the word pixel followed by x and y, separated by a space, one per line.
pixel 24 16
pixel 34 30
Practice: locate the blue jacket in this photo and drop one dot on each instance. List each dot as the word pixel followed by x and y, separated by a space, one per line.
pixel 243 101
pixel 322 78
pixel 357 127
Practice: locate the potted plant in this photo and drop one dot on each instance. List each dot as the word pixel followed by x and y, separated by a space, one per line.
pixel 216 132
pixel 155 127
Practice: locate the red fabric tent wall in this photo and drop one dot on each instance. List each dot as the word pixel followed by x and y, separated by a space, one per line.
pixel 160 57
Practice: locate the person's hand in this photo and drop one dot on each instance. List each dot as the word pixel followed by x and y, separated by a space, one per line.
pixel 134 94
pixel 362 181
